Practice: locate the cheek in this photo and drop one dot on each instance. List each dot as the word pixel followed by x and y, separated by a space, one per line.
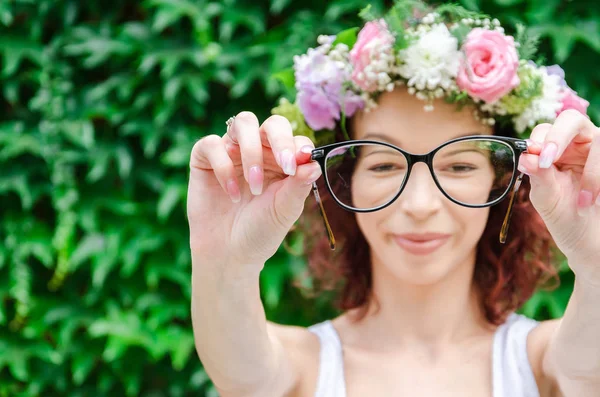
pixel 470 223
pixel 369 226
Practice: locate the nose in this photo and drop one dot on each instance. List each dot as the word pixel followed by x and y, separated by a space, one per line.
pixel 421 197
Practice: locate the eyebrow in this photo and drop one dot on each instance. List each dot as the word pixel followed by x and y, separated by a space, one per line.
pixel 397 143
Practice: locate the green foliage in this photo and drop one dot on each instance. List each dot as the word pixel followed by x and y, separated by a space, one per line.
pixel 455 12
pixel 102 103
pixel 347 37
pixel 522 96
pixel 527 42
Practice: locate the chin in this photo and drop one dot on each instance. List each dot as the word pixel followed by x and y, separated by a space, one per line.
pixel 416 269
pixel 423 273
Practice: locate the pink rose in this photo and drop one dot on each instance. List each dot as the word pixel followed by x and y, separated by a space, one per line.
pixel 571 100
pixel 490 68
pixel 374 39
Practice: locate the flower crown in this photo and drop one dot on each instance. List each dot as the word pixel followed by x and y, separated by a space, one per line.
pixel 449 52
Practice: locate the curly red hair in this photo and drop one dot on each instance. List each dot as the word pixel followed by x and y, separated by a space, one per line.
pixel 506 275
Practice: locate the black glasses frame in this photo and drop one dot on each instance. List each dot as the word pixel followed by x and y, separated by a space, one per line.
pixel 518 146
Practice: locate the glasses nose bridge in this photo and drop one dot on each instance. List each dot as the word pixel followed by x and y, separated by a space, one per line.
pixel 427 159
pixel 421 158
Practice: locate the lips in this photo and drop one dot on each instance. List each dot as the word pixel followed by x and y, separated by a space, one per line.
pixel 422 236
pixel 421 244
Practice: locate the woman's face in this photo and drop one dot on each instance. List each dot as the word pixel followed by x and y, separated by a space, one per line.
pixel 421 208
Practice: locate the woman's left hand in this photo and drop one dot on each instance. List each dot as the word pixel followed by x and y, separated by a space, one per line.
pixel 563 164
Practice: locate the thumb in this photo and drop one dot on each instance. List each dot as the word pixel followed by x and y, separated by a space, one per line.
pixel 290 198
pixel 545 189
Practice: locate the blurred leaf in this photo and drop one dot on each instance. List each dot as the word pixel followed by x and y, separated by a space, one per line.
pixel 508 3
pixel 286 77
pixel 82 365
pixel 15 49
pixel 347 37
pixel 169 198
pixel 278 5
pixel 564 37
pixel 88 246
pixel 542 10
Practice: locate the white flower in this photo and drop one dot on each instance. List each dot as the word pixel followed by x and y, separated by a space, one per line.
pixel 432 61
pixel 544 108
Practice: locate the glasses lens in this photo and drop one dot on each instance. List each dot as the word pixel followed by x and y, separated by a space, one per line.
pixel 365 176
pixel 475 172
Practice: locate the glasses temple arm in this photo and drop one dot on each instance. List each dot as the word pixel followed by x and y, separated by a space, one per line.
pixel 315 190
pixel 504 230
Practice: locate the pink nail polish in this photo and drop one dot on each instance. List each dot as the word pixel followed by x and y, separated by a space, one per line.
pixel 584 202
pixel 316 174
pixel 255 179
pixel 548 155
pixel 233 190
pixel 306 149
pixel 277 158
pixel 524 170
pixel 288 162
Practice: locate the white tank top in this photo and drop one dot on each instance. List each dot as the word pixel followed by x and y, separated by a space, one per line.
pixel 512 375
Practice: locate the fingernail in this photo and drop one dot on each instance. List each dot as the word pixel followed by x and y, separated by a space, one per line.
pixel 521 168
pixel 548 155
pixel 233 190
pixel 288 162
pixel 278 158
pixel 255 179
pixel 316 174
pixel 306 149
pixel 584 202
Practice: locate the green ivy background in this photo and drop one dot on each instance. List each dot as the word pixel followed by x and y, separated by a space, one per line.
pixel 101 104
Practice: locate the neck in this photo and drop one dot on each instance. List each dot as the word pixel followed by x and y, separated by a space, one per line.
pixel 436 314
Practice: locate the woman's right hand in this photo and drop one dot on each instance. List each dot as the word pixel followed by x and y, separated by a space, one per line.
pixel 241 203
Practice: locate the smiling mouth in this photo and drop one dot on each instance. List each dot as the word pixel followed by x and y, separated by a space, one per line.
pixel 422 247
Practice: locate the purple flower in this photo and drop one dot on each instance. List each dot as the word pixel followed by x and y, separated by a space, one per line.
pixel 570 99
pixel 557 71
pixel 319 111
pixel 352 102
pixel 321 92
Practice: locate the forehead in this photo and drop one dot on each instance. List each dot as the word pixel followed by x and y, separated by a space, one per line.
pixel 401 117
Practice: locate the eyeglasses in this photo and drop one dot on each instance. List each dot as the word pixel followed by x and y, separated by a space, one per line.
pixel 474 171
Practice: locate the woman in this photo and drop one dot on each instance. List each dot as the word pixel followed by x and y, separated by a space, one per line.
pixel 430 302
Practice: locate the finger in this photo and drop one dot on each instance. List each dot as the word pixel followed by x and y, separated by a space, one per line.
pixel 209 154
pixel 244 131
pixel 537 138
pixel 276 133
pixel 528 164
pixel 290 198
pixel 570 126
pixel 229 124
pixel 590 180
pixel 304 148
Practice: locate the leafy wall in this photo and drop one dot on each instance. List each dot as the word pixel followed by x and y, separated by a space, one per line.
pixel 101 103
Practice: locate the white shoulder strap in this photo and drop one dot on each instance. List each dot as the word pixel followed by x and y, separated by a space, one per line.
pixel 331 364
pixel 512 373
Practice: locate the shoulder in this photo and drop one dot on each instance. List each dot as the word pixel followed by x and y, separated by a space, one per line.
pixel 537 346
pixel 302 347
pixel 294 337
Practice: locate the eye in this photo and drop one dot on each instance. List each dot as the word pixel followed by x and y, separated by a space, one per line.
pixel 461 168
pixel 383 167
